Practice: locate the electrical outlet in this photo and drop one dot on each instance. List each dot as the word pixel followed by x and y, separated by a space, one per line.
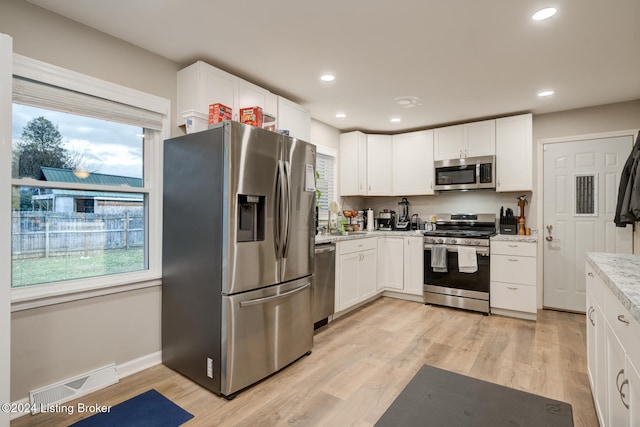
pixel 209 367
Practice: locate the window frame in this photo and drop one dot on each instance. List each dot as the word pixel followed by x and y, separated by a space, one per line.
pixel 53 293
pixel 332 152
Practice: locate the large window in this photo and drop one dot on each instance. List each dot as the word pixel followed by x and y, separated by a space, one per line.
pixel 85 183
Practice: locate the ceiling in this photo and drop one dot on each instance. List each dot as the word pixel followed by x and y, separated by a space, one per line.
pixel 463 59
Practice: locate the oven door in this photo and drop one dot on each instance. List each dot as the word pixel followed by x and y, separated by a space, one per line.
pixel 453 282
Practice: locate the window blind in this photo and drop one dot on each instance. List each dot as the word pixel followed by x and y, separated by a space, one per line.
pixel 326 183
pixel 36 94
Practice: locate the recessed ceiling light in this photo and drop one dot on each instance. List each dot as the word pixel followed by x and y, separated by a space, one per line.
pixel 408 101
pixel 544 14
pixel 327 77
pixel 341 115
pixel 396 120
pixel 545 93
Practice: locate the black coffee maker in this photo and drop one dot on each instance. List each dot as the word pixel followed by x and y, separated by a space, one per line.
pixel 404 219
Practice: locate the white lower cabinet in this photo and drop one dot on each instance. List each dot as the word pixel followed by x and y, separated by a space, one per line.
pixel 596 347
pixel 617 409
pixel 513 279
pixel 356 272
pixel 613 355
pixel 413 265
pixel 633 392
pixel 400 264
pixel 390 263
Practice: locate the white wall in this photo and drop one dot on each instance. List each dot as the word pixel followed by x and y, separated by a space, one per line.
pixel 325 135
pixel 53 343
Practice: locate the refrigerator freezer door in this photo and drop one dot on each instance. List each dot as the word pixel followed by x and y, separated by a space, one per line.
pixel 299 158
pixel 253 171
pixel 264 331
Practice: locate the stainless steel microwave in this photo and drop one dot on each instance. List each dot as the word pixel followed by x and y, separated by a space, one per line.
pixel 470 173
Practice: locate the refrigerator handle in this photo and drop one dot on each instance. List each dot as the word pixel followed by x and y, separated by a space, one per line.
pixel 277 221
pixel 287 209
pixel 275 297
pixel 281 196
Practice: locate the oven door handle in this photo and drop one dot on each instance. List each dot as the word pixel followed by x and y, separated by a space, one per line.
pixel 480 250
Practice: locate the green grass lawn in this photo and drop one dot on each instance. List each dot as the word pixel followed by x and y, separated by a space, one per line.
pixel 75 266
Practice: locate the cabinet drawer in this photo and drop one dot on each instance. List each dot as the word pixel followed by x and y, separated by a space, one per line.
pixel 513 269
pixel 513 248
pixel 622 323
pixel 513 297
pixel 357 245
pixel 595 285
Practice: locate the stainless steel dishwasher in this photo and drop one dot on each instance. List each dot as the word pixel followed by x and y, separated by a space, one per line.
pixel 324 284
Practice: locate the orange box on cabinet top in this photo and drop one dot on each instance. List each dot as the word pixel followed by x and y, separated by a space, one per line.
pixel 219 113
pixel 251 116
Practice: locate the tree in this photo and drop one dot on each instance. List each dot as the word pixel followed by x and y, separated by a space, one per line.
pixel 40 145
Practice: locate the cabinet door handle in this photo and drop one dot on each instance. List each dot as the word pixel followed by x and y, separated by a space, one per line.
pixel 620 372
pixel 590 274
pixel 619 386
pixel 622 395
pixel 590 315
pixel 511 288
pixel 622 319
pixel 513 246
pixel 512 259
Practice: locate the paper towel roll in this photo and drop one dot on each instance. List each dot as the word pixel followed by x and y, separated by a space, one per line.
pixel 370 224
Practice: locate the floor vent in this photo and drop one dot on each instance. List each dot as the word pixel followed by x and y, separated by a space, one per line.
pixel 72 388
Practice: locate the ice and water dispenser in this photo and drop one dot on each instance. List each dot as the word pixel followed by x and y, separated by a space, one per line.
pixel 251 218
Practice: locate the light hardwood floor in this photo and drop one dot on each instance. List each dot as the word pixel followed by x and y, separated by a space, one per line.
pixel 362 361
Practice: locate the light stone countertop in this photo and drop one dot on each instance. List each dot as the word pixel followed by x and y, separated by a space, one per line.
pixel 516 238
pixel 621 273
pixel 320 239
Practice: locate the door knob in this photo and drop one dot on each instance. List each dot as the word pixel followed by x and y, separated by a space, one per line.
pixel 549 237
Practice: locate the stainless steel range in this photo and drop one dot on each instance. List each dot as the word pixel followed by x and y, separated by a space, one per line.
pixel 456 261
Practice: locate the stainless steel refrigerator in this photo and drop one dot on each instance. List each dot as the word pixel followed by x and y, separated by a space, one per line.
pixel 238 253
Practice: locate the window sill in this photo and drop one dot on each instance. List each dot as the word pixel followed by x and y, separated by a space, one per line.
pixel 49 294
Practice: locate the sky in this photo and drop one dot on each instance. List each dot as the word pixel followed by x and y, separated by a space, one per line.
pixel 107 147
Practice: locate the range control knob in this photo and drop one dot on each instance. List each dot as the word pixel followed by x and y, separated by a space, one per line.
pixel 440 241
pixel 454 241
pixel 468 242
pixel 476 242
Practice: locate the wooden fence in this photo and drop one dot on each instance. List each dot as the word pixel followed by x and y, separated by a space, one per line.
pixel 45 234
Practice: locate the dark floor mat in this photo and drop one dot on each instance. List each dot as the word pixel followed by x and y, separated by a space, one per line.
pixel 436 398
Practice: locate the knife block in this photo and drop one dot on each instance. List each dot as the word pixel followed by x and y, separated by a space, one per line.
pixel 509 225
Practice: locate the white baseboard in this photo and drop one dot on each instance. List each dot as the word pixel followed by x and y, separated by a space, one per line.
pixel 512 313
pixel 140 364
pixel 403 295
pixel 124 370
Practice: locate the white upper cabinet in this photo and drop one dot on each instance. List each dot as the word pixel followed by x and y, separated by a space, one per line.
pixel 379 165
pixel 201 84
pixel 295 118
pixel 514 151
pixel 465 140
pixel 352 161
pixel 413 172
pixel 448 142
pixel 249 95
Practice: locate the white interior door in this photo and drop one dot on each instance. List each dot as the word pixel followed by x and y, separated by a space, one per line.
pixel 6 60
pixel 581 181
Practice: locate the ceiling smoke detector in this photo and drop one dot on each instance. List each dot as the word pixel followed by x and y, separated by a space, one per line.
pixel 408 101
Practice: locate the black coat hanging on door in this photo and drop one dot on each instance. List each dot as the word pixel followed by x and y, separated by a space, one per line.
pixel 628 207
